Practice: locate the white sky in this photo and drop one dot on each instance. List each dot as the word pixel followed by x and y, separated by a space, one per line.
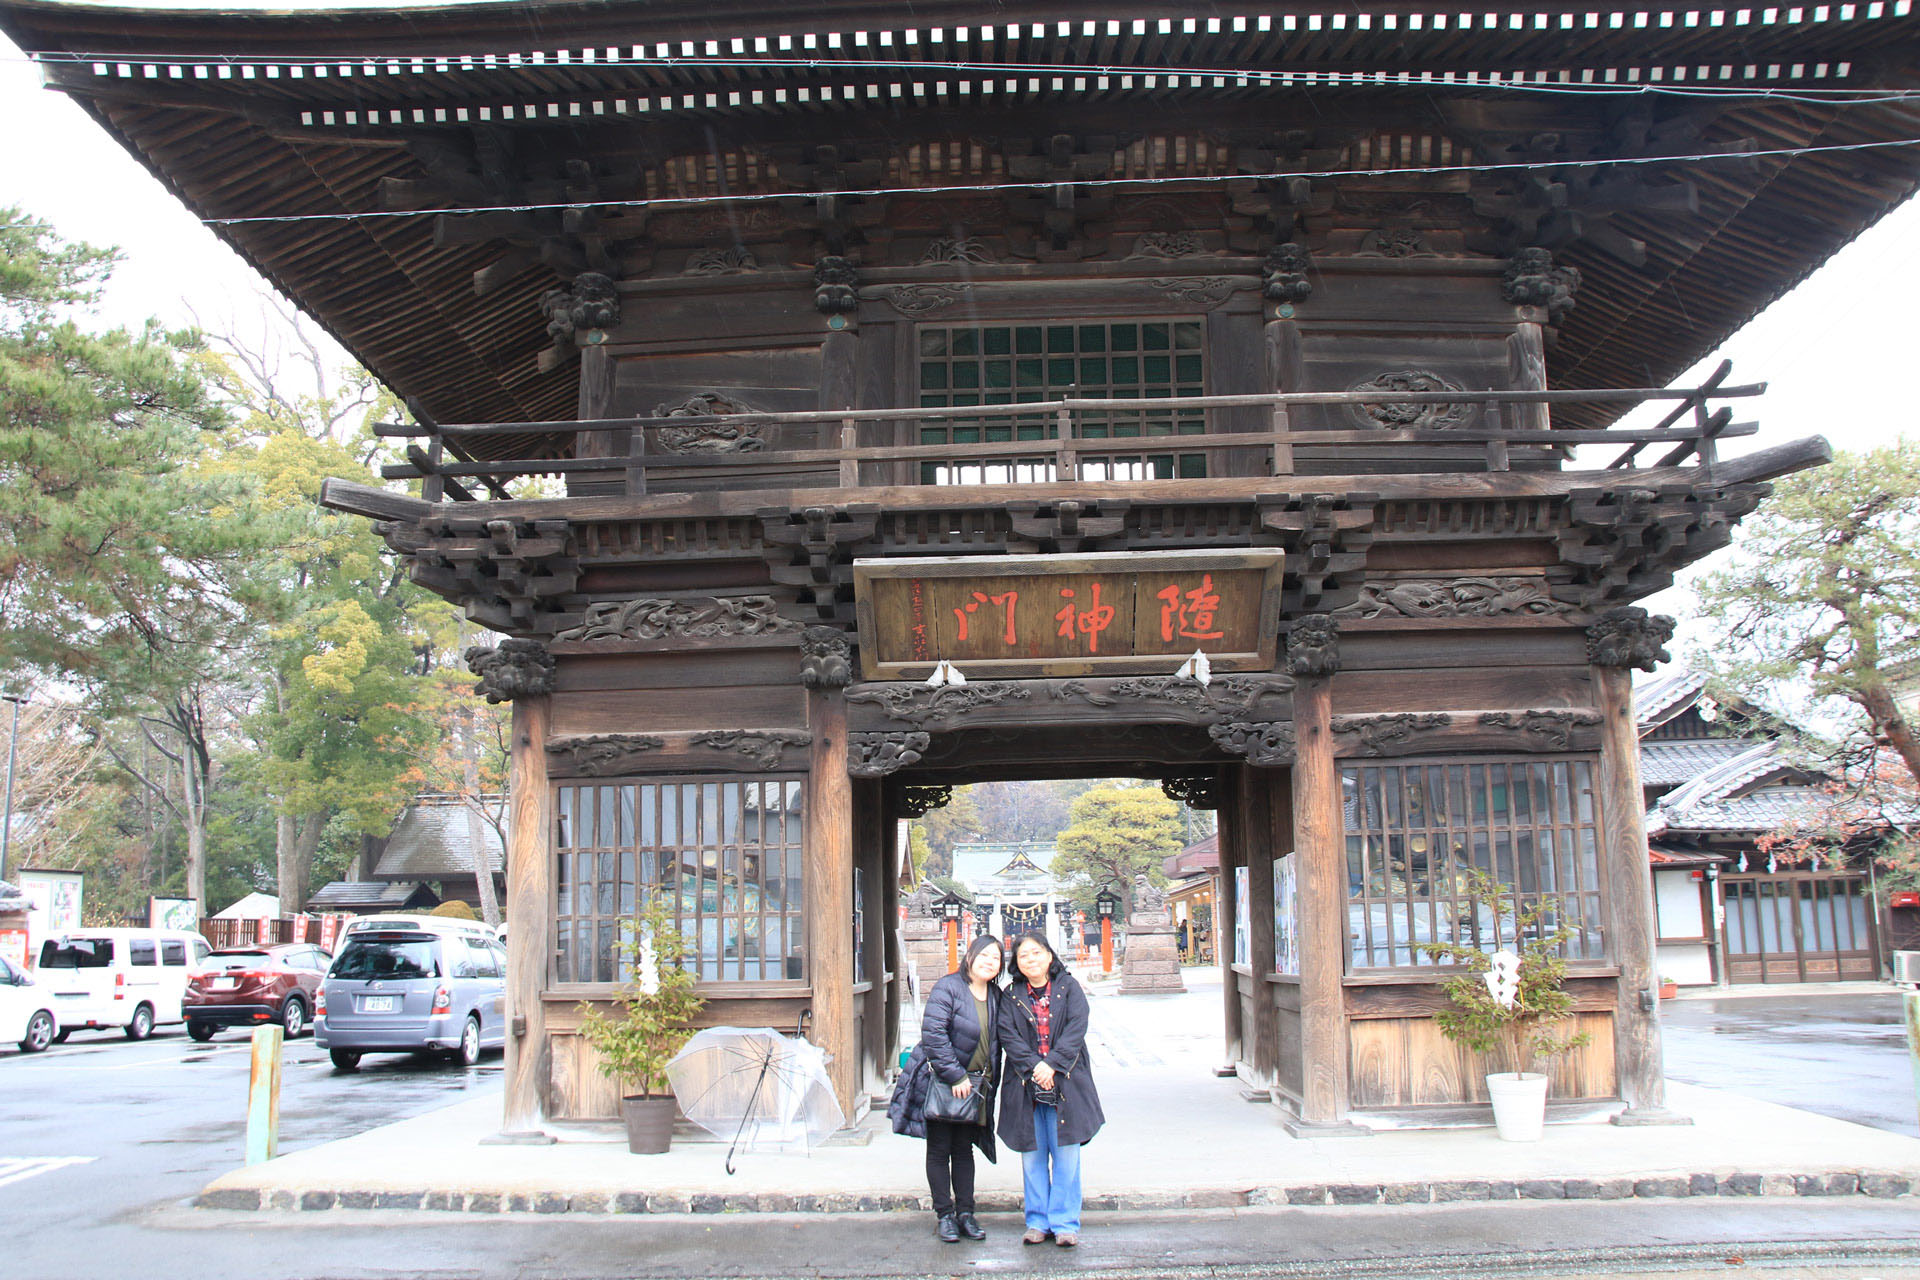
pixel 1834 352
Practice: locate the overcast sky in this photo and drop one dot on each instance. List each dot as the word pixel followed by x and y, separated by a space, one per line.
pixel 1829 350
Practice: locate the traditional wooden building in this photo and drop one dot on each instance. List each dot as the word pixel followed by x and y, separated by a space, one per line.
pixel 764 359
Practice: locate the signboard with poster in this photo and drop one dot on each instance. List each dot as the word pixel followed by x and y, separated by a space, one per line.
pixel 300 928
pixel 54 900
pixel 173 913
pixel 329 932
pixel 1106 612
pixel 13 946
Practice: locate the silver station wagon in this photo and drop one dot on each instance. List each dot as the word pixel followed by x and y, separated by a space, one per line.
pixel 426 987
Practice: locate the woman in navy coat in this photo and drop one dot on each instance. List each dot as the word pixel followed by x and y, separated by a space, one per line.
pixel 958 1042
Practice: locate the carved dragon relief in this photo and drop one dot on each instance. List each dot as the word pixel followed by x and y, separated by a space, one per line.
pixel 918 703
pixel 921 704
pixel 593 755
pixel 917 802
pixel 708 436
pixel 1265 743
pixel 694 618
pixel 1196 790
pixel 1393 734
pixel 875 755
pixel 1453 598
pixel 1544 730
pixel 765 748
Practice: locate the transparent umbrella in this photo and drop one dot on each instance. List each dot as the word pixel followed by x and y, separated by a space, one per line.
pixel 755 1087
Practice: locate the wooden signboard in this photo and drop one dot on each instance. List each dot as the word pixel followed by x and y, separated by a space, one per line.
pixel 1107 612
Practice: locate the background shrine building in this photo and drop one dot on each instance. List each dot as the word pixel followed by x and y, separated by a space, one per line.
pixel 757 351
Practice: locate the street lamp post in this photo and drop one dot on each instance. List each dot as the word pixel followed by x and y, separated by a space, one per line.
pixel 1105 902
pixel 950 908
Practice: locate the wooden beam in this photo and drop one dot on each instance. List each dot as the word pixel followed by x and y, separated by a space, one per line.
pixel 529 889
pixel 1231 856
pixel 1257 809
pixel 829 891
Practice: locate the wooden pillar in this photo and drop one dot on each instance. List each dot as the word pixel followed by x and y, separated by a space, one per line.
pixel 1256 826
pixel 829 891
pixel 893 959
pixel 1527 370
pixel 529 918
pixel 1321 899
pixel 869 813
pixel 1228 899
pixel 1629 879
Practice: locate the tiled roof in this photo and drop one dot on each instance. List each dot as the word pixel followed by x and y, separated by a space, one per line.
pixel 11 898
pixel 1195 859
pixel 433 841
pixel 1659 698
pixel 366 895
pixel 1672 764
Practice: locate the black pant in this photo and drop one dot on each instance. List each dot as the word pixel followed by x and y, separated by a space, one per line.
pixel 950 1166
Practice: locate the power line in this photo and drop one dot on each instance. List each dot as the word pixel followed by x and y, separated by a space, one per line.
pixel 682 202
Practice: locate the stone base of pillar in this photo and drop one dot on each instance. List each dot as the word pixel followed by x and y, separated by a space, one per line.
pixel 1636 1117
pixel 519 1138
pixel 1298 1128
pixel 1152 962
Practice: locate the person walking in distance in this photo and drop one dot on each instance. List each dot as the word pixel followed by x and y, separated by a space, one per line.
pixel 1050 1108
pixel 945 1095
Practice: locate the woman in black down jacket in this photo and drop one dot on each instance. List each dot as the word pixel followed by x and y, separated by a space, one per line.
pixel 1049 1108
pixel 957 1037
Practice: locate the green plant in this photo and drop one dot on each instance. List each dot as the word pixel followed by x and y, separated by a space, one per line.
pixel 636 1045
pixel 1532 1027
pixel 454 909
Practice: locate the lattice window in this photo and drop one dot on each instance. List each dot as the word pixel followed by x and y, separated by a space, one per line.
pixel 966 365
pixel 1413 829
pixel 726 853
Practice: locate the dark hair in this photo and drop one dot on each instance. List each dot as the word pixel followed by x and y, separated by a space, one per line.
pixel 974 949
pixel 1054 967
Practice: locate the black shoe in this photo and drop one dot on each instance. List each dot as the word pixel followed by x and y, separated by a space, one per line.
pixel 969 1228
pixel 949 1229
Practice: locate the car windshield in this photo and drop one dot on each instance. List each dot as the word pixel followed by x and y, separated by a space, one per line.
pixel 76 953
pixel 371 958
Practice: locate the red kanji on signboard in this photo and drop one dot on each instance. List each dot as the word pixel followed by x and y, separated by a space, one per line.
pixel 1189 614
pixel 1089 622
pixel 1005 601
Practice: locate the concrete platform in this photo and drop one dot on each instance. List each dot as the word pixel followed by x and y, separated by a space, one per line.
pixel 1177 1137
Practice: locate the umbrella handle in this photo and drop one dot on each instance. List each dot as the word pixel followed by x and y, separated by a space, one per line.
pixel 747 1111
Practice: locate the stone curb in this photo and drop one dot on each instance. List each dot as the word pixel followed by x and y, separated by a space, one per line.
pixel 1874 1184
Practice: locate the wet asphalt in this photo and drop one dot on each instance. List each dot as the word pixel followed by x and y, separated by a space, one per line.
pixel 144 1126
pixel 1836 1055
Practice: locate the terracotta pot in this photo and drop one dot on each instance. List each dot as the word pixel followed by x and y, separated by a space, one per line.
pixel 1668 990
pixel 649 1124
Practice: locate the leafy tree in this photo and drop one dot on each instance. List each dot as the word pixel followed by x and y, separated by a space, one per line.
pixel 118 538
pixel 1820 607
pixel 1119 831
pixel 956 822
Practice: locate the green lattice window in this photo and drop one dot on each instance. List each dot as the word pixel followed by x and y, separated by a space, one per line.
pixel 966 365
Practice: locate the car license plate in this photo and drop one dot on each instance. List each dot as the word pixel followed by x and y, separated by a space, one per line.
pixel 377 1004
pixel 224 984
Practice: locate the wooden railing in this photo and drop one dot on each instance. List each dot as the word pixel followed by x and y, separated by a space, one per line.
pixel 1508 420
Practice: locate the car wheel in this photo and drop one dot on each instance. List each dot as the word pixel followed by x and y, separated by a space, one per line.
pixel 39 1032
pixel 60 1037
pixel 142 1025
pixel 344 1059
pixel 469 1050
pixel 293 1017
pixel 201 1031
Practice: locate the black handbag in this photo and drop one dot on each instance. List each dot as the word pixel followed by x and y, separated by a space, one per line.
pixel 972 1109
pixel 1046 1097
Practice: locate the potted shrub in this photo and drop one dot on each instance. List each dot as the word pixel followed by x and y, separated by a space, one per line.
pixel 657 1006
pixel 1511 1005
pixel 1668 988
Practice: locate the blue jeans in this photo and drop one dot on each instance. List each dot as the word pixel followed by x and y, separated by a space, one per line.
pixel 1052 1175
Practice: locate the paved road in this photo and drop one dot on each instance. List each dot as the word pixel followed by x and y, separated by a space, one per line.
pixel 1843 1056
pixel 103 1141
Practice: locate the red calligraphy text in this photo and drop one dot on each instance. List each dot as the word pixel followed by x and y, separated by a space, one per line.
pixel 1006 601
pixel 1189 614
pixel 1089 622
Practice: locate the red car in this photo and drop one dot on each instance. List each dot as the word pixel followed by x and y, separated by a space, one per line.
pixel 248 986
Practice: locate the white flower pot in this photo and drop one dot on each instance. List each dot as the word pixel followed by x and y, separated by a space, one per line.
pixel 1519 1104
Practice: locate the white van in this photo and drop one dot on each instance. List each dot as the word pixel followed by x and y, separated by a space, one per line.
pixel 127 978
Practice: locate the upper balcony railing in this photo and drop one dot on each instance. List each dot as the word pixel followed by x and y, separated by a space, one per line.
pixel 1067 440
